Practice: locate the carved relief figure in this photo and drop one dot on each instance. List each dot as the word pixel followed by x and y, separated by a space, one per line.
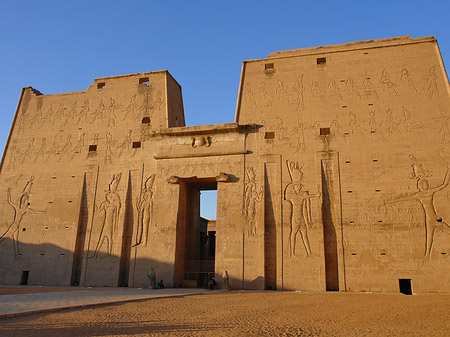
pixel 130 109
pixel 282 92
pixel 144 206
pixel 29 151
pixel 393 126
pixel 66 148
pixel 388 85
pixel 249 97
pixel 425 196
pixel 432 83
pixel 409 123
pixel 301 136
pixel 352 89
pixel 20 209
pixel 84 111
pixel 12 156
pixel 110 209
pixel 79 146
pixel 108 152
pixel 126 144
pixel 407 81
pixel 251 198
pixel 201 141
pixel 354 125
pixel 316 91
pixel 264 97
pixel 418 170
pixel 301 218
pixel 145 104
pixel 444 131
pixel 41 152
pixel 335 91
pixel 71 113
pixel 299 90
pixel 369 88
pixel 54 148
pixel 98 113
pixel 374 125
pixel 112 115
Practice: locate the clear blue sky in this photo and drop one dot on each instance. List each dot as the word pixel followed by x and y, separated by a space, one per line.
pixel 61 46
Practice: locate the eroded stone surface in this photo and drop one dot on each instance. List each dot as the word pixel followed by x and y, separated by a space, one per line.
pixel 333 176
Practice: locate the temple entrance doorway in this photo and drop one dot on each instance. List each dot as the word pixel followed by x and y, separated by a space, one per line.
pixel 196 233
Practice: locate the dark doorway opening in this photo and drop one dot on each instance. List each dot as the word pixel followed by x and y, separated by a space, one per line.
pixel 196 235
pixel 24 278
pixel 405 286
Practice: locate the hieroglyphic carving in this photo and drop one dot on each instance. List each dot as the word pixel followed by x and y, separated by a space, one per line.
pixel 301 136
pixel 12 156
pixel 301 217
pixel 444 131
pixel 352 89
pixel 418 170
pixel 316 91
pixel 20 209
pixel 53 149
pixel 201 141
pixel 249 97
pixel 79 146
pixel 110 209
pixel 42 150
pixel 407 81
pixel 108 151
pixel 392 125
pixel 71 113
pixel 425 196
pixel 374 125
pixel 433 92
pixel 300 103
pixel 83 115
pixel 144 206
pixel 251 199
pixel 354 126
pixel 112 115
pixel 282 92
pixel 131 107
pixel 98 113
pixel 29 151
pixel 65 151
pixel 264 98
pixel 369 88
pixel 126 144
pixel 337 129
pixel 388 85
pixel 335 91
pixel 408 122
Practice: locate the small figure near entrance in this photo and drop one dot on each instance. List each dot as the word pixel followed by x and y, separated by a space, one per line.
pixel 152 278
pixel 225 280
pixel 160 285
pixel 212 284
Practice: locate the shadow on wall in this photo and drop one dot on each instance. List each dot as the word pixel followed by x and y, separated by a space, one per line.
pixel 51 265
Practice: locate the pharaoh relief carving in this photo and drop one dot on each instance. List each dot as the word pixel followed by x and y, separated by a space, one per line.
pixel 374 125
pixel 352 89
pixel 444 131
pixel 108 151
pixel 407 82
pixel 425 196
pixel 388 85
pixel 126 143
pixel 109 211
pixel 282 93
pixel 84 112
pixel 317 92
pixel 432 88
pixel 300 217
pixel 355 127
pixel 369 88
pixel 249 97
pixel 409 124
pixel 78 146
pixel 112 114
pixel 251 198
pixel 201 141
pixel 264 98
pixel 392 125
pixel 299 89
pixel 335 91
pixel 42 150
pixel 144 206
pixel 130 108
pixel 98 113
pixel 21 208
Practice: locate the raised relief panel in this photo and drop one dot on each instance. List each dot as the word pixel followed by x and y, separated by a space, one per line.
pixel 252 197
pixel 301 217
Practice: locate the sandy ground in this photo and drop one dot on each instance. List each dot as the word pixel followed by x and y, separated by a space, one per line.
pixel 249 314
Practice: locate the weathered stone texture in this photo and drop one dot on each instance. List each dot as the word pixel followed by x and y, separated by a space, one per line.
pixel 334 176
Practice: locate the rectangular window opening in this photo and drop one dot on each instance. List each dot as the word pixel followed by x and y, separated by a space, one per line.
pixel 405 286
pixel 349 191
pixel 24 229
pixel 146 120
pixel 269 67
pixel 136 145
pixel 92 148
pixel 24 278
pixel 321 60
pixel 344 106
pixel 269 135
pixel 144 81
pixel 325 131
pixel 377 190
pixel 347 161
pixel 101 85
pixel 353 254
